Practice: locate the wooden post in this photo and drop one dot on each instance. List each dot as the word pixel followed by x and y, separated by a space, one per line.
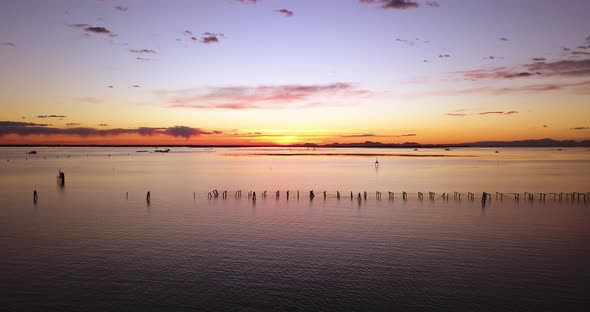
pixel 35 196
pixel 148 197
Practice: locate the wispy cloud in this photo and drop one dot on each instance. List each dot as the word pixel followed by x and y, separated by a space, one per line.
pixel 464 114
pixel 247 1
pixel 358 135
pixel 285 12
pixel 93 29
pixel 366 135
pixel 394 4
pixel 580 128
pixel 51 116
pixel 568 68
pixel 8 44
pixel 494 73
pixel 29 128
pixel 277 96
pixel 142 51
pixel 121 8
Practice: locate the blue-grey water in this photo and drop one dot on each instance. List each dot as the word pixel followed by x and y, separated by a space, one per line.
pixel 96 244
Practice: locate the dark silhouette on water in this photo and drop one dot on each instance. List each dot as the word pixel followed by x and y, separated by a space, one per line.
pixel 35 197
pixel 61 178
pixel 148 197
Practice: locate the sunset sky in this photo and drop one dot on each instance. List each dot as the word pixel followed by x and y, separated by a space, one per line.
pixel 293 71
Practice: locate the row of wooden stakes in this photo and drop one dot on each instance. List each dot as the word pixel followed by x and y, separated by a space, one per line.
pixel 391 195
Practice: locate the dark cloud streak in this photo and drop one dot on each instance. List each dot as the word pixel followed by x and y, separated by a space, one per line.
pixel 29 128
pixel 285 12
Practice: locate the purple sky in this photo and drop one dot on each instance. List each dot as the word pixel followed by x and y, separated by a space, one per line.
pixel 229 64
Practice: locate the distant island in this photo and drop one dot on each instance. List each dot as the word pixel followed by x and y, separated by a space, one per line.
pixel 367 144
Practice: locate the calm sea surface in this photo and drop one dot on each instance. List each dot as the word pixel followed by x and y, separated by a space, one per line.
pixel 96 244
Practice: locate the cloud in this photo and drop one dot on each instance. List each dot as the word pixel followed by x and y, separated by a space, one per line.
pixel 456 114
pixel 580 53
pixel 539 59
pixel 142 59
pixel 580 128
pixel 51 116
pixel 185 132
pixel 406 41
pixel 21 124
pixel 358 135
pixel 566 49
pixel 566 68
pixel 376 135
pixel 247 1
pixel 8 44
pixel 285 12
pixel 504 39
pixel 210 39
pixel 206 37
pixel 444 56
pixel 72 124
pixel 498 113
pixel 103 125
pixel 433 4
pixel 545 126
pixel 29 128
pixel 265 96
pixel 142 51
pixel 136 86
pixel 121 8
pixel 521 74
pixel 394 4
pixel 494 73
pixel 93 29
pixel 583 47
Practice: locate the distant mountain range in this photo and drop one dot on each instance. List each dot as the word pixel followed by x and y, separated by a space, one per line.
pixel 523 143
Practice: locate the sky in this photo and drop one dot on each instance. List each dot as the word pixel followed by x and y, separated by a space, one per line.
pixel 254 72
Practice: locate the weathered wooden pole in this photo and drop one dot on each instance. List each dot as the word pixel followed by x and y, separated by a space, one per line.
pixel 35 196
pixel 148 197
